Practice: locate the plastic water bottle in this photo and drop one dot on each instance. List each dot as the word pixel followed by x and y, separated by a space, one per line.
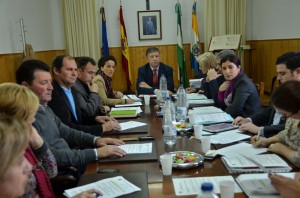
pixel 181 111
pixel 169 105
pixel 163 86
pixel 170 133
pixel 207 191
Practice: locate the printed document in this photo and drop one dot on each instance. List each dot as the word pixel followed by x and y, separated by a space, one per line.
pixel 110 187
pixel 228 137
pixel 240 148
pixel 130 105
pixel 137 148
pixel 130 125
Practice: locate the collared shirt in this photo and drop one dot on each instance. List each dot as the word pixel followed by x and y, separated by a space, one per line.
pixel 277 117
pixel 70 97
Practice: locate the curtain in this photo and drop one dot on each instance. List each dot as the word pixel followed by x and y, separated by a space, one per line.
pixel 224 17
pixel 81 28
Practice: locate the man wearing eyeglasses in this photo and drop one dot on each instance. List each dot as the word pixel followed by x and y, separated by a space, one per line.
pixel 270 121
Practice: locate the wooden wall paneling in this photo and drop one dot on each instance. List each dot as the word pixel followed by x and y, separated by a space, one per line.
pixel 263 57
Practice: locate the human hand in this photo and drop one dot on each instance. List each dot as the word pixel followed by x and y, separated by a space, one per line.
pixel 103 119
pixel 93 87
pixel 92 193
pixel 224 86
pixel 110 125
pixel 190 90
pixel 105 141
pixel 250 127
pixel 212 75
pixel 261 142
pixel 170 93
pixel 119 94
pixel 36 141
pixel 109 150
pixel 201 91
pixel 240 120
pixel 287 187
pixel 144 85
pixel 277 148
pixel 129 101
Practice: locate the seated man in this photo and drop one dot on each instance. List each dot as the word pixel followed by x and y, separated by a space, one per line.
pixel 270 121
pixel 149 74
pixel 88 100
pixel 64 101
pixel 35 75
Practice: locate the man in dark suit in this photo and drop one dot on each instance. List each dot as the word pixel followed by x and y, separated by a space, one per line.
pixel 65 103
pixel 149 74
pixel 272 122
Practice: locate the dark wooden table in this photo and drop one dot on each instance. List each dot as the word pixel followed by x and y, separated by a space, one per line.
pixel 159 185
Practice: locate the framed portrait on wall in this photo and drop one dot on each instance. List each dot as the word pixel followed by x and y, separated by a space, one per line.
pixel 149 25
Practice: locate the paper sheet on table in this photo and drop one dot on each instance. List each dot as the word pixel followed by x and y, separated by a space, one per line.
pixel 240 148
pixel 130 105
pixel 138 109
pixel 130 125
pixel 137 148
pixel 203 101
pixel 191 186
pixel 205 110
pixel 195 96
pixel 213 118
pixel 228 137
pixel 110 187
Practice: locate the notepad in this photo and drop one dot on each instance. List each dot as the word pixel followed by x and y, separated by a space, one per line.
pixel 123 113
pixel 239 164
pixel 259 185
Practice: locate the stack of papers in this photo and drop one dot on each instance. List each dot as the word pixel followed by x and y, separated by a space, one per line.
pixel 212 118
pixel 123 113
pixel 196 83
pixel 130 105
pixel 130 125
pixel 131 96
pixel 110 187
pixel 203 102
pixel 270 162
pixel 206 110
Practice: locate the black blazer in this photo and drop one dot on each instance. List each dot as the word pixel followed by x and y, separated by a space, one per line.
pixel 62 108
pixel 265 119
pixel 145 74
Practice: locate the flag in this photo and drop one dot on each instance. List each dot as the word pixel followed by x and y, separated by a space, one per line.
pixel 180 52
pixel 195 49
pixel 104 49
pixel 125 50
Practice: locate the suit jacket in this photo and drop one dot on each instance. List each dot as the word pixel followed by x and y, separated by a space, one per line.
pixel 265 119
pixel 245 99
pixel 145 74
pixel 62 108
pixel 89 102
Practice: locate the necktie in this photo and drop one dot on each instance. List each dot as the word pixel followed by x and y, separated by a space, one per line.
pixel 155 78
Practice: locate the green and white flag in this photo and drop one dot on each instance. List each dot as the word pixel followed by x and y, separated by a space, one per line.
pixel 180 52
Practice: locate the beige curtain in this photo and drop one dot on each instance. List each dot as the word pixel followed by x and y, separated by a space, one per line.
pixel 224 17
pixel 81 28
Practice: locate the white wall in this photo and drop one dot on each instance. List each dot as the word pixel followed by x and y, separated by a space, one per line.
pixel 168 20
pixel 43 21
pixel 273 19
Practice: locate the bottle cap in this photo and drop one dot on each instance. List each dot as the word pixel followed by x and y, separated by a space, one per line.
pixel 207 186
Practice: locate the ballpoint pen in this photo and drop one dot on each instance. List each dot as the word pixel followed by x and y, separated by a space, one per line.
pixel 258 134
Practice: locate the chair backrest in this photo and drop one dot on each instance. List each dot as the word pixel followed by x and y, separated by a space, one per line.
pixel 261 91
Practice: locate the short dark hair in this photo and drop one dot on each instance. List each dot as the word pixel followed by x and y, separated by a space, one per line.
pixel 104 59
pixel 290 59
pixel 26 70
pixel 58 61
pixel 287 96
pixel 151 49
pixel 232 58
pixel 83 61
pixel 284 57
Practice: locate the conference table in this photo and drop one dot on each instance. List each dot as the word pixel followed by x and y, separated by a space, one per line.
pixel 159 185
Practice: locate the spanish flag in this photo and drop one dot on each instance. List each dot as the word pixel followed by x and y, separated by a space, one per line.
pixel 125 50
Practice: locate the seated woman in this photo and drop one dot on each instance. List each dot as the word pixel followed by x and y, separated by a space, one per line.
pixel 110 97
pixel 213 78
pixel 15 169
pixel 286 100
pixel 237 95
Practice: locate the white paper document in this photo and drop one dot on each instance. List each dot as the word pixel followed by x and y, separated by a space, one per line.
pixel 195 96
pixel 130 105
pixel 110 187
pixel 259 185
pixel 240 148
pixel 137 148
pixel 138 109
pixel 212 118
pixel 191 185
pixel 131 124
pixel 201 102
pixel 205 110
pixel 228 137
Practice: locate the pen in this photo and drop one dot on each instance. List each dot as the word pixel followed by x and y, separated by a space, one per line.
pixel 258 134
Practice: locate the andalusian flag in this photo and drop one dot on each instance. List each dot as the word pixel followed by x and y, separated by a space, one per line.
pixel 195 49
pixel 180 52
pixel 125 50
pixel 104 49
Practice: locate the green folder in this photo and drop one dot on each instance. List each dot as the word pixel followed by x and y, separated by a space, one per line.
pixel 123 113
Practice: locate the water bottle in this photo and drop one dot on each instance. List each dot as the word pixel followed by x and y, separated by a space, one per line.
pixel 169 105
pixel 181 111
pixel 163 86
pixel 207 191
pixel 170 133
